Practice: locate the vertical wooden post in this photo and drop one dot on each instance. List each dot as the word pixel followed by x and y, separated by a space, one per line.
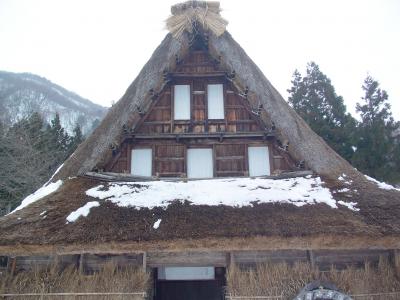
pixel 144 261
pixel 13 265
pixel 81 266
pixel 311 258
pixel 395 255
pixel 230 259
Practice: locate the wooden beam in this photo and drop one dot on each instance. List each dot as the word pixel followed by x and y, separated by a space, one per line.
pixel 109 176
pixel 13 265
pixel 144 261
pixel 198 75
pixel 217 135
pixel 311 258
pixel 81 258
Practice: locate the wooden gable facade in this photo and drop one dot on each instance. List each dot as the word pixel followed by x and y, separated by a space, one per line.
pixel 210 114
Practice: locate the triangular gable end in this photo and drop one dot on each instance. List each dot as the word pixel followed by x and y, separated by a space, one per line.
pixel 305 146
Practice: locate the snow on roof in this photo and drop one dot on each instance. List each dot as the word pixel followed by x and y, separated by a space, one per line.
pixel 382 185
pixel 157 224
pixel 82 211
pixel 236 192
pixel 45 190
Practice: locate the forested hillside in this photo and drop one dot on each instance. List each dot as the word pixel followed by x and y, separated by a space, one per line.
pixel 22 94
pixel 30 152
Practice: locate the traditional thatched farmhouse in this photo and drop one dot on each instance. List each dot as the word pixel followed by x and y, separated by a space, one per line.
pixel 199 165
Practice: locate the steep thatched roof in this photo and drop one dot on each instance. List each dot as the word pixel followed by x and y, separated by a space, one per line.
pixel 43 224
pixel 376 224
pixel 304 143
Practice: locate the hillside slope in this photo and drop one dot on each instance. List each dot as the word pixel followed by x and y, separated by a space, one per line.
pixel 21 94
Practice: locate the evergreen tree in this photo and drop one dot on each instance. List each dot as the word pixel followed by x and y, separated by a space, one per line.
pixel 315 100
pixel 378 149
pixel 76 139
pixel 30 151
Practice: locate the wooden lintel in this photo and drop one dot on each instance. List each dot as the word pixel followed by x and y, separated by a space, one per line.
pixel 207 135
pixel 192 75
pixel 110 176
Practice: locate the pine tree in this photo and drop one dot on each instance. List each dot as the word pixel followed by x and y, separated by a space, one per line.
pixel 377 148
pixel 30 151
pixel 75 140
pixel 315 100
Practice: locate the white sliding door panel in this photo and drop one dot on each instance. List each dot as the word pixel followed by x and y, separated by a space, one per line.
pixel 182 102
pixel 258 161
pixel 186 273
pixel 141 162
pixel 199 163
pixel 215 104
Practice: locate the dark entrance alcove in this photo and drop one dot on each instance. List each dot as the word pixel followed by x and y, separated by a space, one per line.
pixel 190 289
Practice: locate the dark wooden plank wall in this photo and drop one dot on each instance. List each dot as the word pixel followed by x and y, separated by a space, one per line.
pixel 230 156
pixel 323 259
pixel 238 118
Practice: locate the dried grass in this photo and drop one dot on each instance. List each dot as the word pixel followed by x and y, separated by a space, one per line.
pixel 70 280
pixel 185 15
pixel 287 280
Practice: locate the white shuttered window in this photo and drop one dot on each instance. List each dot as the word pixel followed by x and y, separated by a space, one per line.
pixel 258 161
pixel 141 162
pixel 215 101
pixel 182 102
pixel 199 163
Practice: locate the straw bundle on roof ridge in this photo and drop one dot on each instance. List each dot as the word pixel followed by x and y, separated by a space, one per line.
pixel 186 14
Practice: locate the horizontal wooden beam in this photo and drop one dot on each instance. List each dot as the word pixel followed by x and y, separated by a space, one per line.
pixel 195 75
pixel 232 157
pixel 256 134
pixel 110 176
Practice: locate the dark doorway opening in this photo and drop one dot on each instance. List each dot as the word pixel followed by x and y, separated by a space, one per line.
pixel 190 289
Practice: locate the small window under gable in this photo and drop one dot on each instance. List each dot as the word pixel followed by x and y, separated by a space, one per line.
pixel 141 162
pixel 258 161
pixel 200 163
pixel 215 101
pixel 182 102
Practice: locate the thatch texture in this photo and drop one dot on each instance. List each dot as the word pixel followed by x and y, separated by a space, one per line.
pixel 186 16
pixel 266 225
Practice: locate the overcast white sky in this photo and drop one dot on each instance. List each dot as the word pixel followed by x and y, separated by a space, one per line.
pixel 96 48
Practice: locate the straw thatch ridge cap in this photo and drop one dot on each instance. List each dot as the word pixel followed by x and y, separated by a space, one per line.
pixel 188 15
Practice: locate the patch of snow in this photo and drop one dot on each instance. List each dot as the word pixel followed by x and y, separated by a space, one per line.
pixel 354 148
pixel 382 185
pixel 58 169
pixel 82 211
pixel 157 224
pixel 43 212
pixel 231 192
pixel 349 205
pixel 344 190
pixel 39 194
